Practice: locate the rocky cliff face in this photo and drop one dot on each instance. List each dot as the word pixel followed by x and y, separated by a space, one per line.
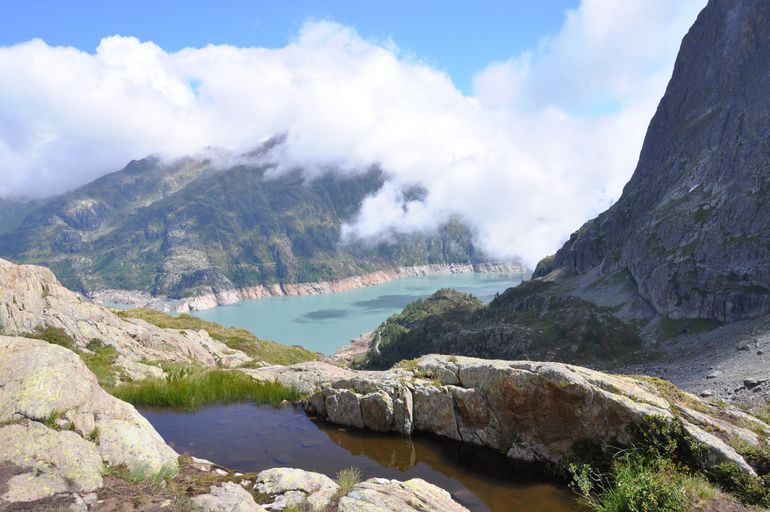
pixel 191 228
pixel 693 224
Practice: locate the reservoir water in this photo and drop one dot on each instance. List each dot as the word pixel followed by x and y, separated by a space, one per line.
pixel 324 322
pixel 247 438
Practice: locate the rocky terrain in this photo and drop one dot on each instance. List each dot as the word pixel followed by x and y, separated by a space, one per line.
pixel 68 445
pixel 520 408
pixel 32 303
pixel 673 279
pixel 197 227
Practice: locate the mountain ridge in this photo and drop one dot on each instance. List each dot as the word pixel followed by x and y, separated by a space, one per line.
pixel 195 228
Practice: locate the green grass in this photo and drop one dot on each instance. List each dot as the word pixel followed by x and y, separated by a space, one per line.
pixel 635 485
pixel 662 470
pixel 204 388
pixel 54 335
pixel 142 474
pixel 763 413
pixel 238 339
pixel 673 394
pixel 670 328
pixel 100 360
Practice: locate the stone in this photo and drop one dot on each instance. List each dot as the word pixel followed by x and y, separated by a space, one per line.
pixel 377 411
pixel 415 495
pixel 707 393
pixel 752 383
pixel 304 377
pixel 32 298
pixel 60 460
pixel 344 408
pixel 40 381
pixel 521 407
pixel 286 487
pixel 227 497
pixel 34 486
pixel 714 374
pixel 434 411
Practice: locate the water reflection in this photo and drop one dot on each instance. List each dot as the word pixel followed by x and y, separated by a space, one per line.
pixel 252 438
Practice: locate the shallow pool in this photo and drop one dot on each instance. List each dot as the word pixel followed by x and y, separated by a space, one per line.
pixel 247 438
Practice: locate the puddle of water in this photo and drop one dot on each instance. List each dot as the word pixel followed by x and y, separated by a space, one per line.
pixel 247 437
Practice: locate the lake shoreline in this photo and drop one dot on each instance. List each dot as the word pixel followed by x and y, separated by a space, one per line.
pixel 214 298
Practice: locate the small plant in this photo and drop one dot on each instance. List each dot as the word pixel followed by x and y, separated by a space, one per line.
pixel 143 474
pixel 178 374
pixel 52 418
pixel 347 479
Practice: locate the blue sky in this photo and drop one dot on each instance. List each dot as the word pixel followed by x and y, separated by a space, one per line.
pixel 457 37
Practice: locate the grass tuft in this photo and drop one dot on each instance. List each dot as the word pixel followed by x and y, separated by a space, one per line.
pixel 204 388
pixel 347 479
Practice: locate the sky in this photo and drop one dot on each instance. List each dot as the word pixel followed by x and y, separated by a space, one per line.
pixel 524 118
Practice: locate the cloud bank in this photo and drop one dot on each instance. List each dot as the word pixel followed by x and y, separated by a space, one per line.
pixel 546 141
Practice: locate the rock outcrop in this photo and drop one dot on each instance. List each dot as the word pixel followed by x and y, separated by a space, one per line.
pixel 62 428
pixel 415 495
pixel 31 299
pixel 520 408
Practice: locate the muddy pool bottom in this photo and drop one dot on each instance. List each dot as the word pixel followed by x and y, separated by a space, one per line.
pixel 247 437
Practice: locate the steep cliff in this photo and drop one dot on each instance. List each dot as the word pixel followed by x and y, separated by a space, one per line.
pixel 692 224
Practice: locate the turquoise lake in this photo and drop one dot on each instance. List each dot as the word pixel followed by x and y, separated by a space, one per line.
pixel 324 322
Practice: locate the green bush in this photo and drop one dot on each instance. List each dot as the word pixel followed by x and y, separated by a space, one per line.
pixel 635 484
pixel 55 335
pixel 751 490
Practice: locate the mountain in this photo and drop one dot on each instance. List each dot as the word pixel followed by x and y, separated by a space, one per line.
pixel 692 224
pixel 677 271
pixel 190 227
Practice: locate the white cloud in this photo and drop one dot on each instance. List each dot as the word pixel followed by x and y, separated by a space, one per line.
pixel 547 140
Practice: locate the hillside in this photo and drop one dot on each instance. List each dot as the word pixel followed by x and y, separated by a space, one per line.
pixel 189 227
pixel 675 276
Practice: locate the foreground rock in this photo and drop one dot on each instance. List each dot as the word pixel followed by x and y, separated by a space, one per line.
pixel 227 497
pixel 529 410
pixel 62 428
pixel 32 299
pixel 63 439
pixel 415 495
